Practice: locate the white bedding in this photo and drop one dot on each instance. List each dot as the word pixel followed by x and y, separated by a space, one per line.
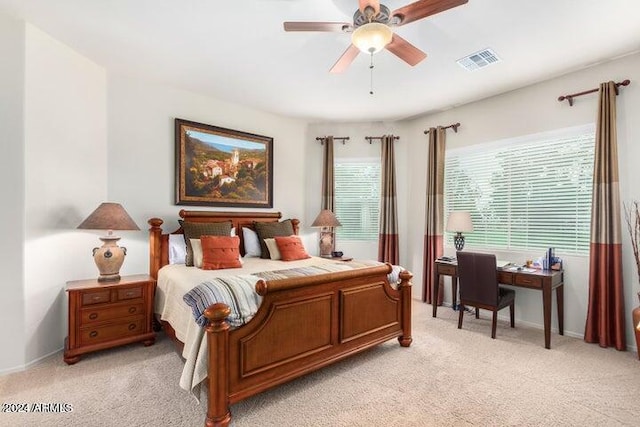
pixel 175 280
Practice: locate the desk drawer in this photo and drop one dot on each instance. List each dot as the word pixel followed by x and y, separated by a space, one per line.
pixel 528 281
pixel 449 270
pixel 505 277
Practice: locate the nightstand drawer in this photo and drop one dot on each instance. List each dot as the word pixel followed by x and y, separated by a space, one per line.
pixel 95 335
pixel 129 293
pixel 95 315
pixel 96 297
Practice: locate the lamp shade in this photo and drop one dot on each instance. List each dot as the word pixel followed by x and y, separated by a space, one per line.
pixel 371 37
pixel 326 218
pixel 459 222
pixel 109 216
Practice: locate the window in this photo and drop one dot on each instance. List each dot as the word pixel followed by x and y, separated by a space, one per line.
pixel 527 193
pixel 357 198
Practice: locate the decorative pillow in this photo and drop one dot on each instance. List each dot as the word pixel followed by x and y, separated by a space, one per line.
pixel 274 252
pixel 220 252
pixel 291 248
pixel 177 249
pixel 196 244
pixel 268 230
pixel 193 230
pixel 251 243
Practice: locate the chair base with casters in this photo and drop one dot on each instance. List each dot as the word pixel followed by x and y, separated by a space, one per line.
pixel 506 298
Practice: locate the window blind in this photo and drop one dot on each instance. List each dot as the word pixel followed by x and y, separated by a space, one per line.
pixel 357 198
pixel 527 193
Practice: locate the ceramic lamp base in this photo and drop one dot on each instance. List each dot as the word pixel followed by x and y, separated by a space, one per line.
pixel 326 243
pixel 458 241
pixel 109 258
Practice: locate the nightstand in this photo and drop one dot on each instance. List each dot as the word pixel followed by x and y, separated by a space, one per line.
pixel 109 314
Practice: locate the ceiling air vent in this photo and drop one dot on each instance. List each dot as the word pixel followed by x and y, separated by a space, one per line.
pixel 478 60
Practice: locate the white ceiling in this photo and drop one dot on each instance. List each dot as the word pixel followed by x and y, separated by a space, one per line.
pixel 237 50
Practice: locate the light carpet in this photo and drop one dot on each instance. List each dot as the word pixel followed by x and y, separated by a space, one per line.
pixel 448 377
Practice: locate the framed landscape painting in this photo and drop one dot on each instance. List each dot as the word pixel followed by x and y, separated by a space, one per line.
pixel 222 167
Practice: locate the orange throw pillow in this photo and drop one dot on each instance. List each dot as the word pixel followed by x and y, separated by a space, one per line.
pixel 220 252
pixel 291 248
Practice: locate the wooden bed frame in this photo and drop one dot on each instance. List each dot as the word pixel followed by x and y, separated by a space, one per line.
pixel 302 324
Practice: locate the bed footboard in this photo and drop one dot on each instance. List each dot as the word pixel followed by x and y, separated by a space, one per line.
pixel 302 325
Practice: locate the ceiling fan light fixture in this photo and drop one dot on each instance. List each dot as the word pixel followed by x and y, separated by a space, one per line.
pixel 371 37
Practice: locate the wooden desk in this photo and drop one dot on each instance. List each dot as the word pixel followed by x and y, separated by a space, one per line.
pixel 543 280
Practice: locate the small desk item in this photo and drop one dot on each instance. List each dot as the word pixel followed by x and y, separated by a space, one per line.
pixel 108 314
pixel 543 280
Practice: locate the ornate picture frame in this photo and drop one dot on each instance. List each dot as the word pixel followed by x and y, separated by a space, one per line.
pixel 222 167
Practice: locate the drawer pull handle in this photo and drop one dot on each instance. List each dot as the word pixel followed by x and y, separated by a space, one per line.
pixel 132 310
pixel 93 316
pixel 97 298
pixel 93 334
pixel 132 326
pixel 129 293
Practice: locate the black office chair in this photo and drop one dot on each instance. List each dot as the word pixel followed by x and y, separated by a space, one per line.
pixel 479 287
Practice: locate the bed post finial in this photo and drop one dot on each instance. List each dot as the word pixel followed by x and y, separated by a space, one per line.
pixel 405 288
pixel 218 413
pixel 155 247
pixel 296 225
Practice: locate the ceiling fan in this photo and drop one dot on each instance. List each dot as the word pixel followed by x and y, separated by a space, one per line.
pixel 372 29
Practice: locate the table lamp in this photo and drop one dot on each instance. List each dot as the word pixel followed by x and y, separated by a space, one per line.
pixel 459 222
pixel 109 257
pixel 326 220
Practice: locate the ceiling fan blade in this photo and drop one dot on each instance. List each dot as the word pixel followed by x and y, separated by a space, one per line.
pixel 375 4
pixel 405 50
pixel 317 26
pixel 423 8
pixel 345 60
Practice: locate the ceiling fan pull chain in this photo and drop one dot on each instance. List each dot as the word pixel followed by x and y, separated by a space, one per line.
pixel 371 77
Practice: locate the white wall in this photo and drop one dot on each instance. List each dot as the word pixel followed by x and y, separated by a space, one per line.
pixel 532 110
pixel 12 190
pixel 357 147
pixel 65 180
pixel 141 156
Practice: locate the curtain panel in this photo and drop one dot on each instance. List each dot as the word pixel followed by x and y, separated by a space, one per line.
pixel 434 213
pixel 605 323
pixel 328 184
pixel 388 238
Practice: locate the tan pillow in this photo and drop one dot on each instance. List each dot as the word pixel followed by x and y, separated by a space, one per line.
pixel 274 252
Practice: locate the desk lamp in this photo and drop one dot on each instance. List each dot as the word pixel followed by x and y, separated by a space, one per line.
pixel 459 222
pixel 109 257
pixel 326 220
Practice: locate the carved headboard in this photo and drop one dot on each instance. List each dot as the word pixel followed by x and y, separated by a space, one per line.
pixel 159 242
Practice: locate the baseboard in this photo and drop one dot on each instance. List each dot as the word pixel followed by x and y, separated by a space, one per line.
pixel 630 347
pixel 28 365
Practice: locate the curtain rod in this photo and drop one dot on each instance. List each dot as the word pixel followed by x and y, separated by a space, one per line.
pixel 571 96
pixel 454 126
pixel 323 138
pixel 377 138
